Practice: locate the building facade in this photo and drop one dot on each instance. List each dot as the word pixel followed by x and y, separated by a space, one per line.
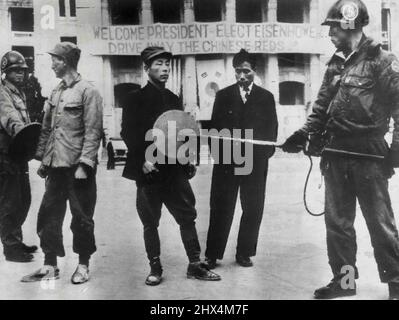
pixel 291 46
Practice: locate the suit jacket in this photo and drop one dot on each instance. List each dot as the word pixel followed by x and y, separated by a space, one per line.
pixel 142 109
pixel 258 114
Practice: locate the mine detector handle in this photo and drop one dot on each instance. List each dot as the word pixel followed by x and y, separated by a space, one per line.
pixel 251 141
pixel 317 145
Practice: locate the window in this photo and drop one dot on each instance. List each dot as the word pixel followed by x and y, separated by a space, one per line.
pixel 72 8
pixel 291 60
pixel 21 19
pixel 208 10
pixel 386 28
pixel 69 39
pixel 248 11
pixel 292 93
pixel 167 11
pixel 62 7
pixel 125 12
pixel 291 11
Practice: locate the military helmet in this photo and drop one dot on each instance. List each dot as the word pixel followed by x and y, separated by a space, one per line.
pixel 349 14
pixel 13 59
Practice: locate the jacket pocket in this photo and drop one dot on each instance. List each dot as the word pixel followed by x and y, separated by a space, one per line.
pixel 73 116
pixel 360 91
pixel 359 82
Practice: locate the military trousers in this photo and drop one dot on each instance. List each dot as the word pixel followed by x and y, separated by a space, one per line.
pixel 15 201
pixel 173 191
pixel 348 180
pixel 61 186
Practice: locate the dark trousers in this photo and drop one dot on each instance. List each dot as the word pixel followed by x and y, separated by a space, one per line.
pixel 15 200
pixel 224 191
pixel 61 186
pixel 176 193
pixel 367 181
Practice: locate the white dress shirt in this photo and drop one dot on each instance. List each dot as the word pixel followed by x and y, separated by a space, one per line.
pixel 244 93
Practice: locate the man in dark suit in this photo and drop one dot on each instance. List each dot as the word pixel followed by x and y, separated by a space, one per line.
pixel 159 184
pixel 242 106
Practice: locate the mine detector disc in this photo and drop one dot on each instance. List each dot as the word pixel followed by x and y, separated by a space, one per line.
pixel 173 129
pixel 23 145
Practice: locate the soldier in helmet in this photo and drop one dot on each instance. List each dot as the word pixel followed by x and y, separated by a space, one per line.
pixel 358 96
pixel 15 194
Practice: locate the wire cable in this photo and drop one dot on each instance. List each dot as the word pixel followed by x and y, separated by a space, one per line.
pixel 305 202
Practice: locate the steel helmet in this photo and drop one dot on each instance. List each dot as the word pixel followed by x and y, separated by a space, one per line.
pixel 13 59
pixel 349 14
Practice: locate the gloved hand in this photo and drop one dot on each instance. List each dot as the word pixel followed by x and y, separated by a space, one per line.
pixel 316 145
pixel 190 170
pixel 42 171
pixel 295 143
pixel 393 158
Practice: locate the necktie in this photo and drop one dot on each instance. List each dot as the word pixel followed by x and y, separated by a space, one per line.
pixel 246 90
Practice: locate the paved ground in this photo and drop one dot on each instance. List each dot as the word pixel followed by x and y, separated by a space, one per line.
pixel 291 259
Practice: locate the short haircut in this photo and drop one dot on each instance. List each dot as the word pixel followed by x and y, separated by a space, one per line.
pixel 244 56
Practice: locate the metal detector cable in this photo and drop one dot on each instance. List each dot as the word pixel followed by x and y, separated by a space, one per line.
pixel 306 188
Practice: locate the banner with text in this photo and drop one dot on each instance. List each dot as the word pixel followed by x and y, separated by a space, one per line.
pixel 211 38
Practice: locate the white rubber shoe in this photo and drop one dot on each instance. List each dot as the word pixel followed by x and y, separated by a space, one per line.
pixel 81 274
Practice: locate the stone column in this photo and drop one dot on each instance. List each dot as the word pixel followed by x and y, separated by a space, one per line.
pixel 272 10
pixel 107 81
pixel 230 18
pixel 230 11
pixel 146 16
pixel 189 66
pixel 272 73
pixel 315 76
pixel 5 29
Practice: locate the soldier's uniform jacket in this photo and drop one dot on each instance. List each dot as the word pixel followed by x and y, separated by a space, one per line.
pixel 357 98
pixel 72 126
pixel 13 117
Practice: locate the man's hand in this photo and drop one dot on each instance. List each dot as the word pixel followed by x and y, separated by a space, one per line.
pixel 191 171
pixel 80 173
pixel 296 143
pixel 42 171
pixel 149 167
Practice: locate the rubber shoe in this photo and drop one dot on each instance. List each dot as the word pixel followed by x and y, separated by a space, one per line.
pixel 44 273
pixel 81 275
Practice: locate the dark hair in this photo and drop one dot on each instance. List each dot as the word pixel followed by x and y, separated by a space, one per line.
pixel 244 56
